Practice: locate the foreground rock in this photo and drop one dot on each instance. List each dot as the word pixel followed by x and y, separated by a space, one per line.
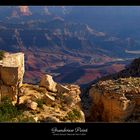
pixel 47 102
pixel 48 83
pixel 115 100
pixel 50 106
pixel 11 74
pixel 12 69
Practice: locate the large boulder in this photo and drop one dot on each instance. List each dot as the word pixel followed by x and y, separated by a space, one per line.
pixel 12 69
pixel 48 82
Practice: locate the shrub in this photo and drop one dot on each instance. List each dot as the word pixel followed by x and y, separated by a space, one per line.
pixel 73 115
pixel 22 119
pixel 11 113
pixel 7 110
pixel 40 102
pixel 61 96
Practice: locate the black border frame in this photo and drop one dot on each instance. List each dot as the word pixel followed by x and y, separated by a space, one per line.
pixel 43 130
pixel 70 2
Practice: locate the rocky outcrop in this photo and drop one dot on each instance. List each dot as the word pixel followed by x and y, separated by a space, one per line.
pixel 50 105
pixel 47 102
pixel 115 100
pixel 11 74
pixel 48 83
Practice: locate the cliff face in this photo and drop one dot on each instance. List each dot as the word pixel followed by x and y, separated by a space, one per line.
pixel 115 100
pixel 47 102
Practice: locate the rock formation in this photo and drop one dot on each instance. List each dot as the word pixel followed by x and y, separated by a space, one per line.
pixel 48 83
pixel 11 74
pixel 109 100
pixel 115 100
pixel 50 104
pixel 47 102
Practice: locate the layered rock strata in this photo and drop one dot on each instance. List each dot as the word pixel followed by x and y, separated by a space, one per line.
pixel 115 100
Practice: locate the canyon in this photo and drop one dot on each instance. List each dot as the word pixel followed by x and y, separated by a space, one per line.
pixel 63 47
pixel 59 66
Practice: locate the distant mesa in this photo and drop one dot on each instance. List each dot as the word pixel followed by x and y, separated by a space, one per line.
pixel 25 10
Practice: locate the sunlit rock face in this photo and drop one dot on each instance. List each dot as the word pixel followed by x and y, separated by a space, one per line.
pixel 115 100
pixel 12 69
pixel 11 73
